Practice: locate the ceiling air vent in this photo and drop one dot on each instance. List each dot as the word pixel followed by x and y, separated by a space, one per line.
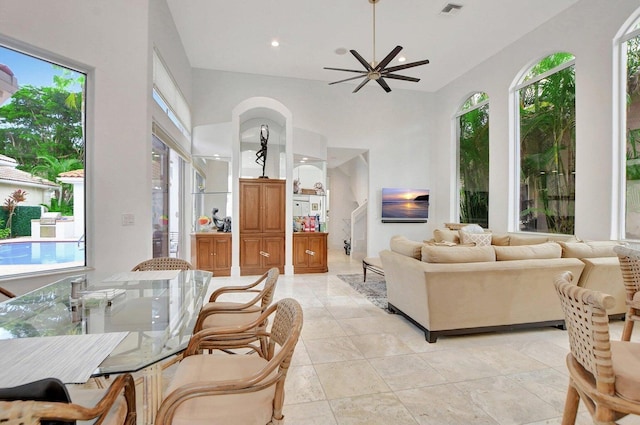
pixel 451 9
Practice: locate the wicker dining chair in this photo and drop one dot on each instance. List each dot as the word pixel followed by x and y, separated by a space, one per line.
pixel 163 263
pixel 116 406
pixel 630 268
pixel 235 389
pixel 7 293
pixel 604 374
pixel 216 313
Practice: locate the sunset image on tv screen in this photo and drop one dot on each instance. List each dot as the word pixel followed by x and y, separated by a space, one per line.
pixel 405 203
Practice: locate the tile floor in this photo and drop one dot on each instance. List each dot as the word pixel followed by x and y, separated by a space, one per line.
pixel 357 364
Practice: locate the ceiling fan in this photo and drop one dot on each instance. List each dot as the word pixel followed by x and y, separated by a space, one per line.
pixel 378 71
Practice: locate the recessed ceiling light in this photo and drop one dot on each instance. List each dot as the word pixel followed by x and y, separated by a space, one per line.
pixel 402 59
pixel 216 154
pixel 304 158
pixel 275 43
pixel 340 51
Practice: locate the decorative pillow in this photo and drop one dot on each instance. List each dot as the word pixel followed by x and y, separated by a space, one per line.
pixel 472 228
pixel 588 249
pixel 404 246
pixel 526 252
pixel 500 239
pixel 457 254
pixel 446 235
pixel 518 240
pixel 480 239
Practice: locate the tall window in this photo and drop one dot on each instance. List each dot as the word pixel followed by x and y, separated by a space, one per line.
pixel 473 142
pixel 42 157
pixel 631 58
pixel 546 99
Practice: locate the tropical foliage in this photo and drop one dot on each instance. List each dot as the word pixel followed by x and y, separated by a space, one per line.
pixel 474 162
pixel 547 147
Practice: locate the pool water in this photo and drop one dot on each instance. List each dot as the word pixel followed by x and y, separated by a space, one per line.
pixel 40 252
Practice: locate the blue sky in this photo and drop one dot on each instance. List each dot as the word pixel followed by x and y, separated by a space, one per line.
pixel 27 69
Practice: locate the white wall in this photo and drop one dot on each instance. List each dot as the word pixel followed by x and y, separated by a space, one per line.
pixel 395 126
pixel 587 30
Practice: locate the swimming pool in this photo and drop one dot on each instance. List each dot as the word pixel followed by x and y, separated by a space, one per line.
pixel 40 252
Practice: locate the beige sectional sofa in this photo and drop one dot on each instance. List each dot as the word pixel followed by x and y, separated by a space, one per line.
pixel 448 289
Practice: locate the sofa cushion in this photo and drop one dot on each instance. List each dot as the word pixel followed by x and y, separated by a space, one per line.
pixel 457 254
pixel 446 235
pixel 588 249
pixel 500 239
pixel 479 239
pixel 404 246
pixel 518 240
pixel 525 252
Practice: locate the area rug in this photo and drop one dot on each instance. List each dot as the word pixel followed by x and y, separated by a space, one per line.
pixel 374 289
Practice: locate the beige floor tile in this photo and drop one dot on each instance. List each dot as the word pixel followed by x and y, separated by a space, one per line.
pixel 374 409
pixel 315 413
pixel 321 328
pixel 302 385
pixel 443 404
pixel 506 359
pixel 408 371
pixel 505 400
pixel 350 378
pixel 380 345
pixel 459 365
pixel 332 350
pixel 300 355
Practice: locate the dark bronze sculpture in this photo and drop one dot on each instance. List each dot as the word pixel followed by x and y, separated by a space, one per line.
pixel 261 155
pixel 222 224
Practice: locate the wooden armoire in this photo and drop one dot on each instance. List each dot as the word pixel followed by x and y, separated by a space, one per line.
pixel 262 225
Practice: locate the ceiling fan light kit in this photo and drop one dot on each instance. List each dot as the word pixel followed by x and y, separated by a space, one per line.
pixel 378 71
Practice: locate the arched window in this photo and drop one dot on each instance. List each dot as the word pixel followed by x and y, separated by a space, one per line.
pixel 473 153
pixel 630 115
pixel 546 135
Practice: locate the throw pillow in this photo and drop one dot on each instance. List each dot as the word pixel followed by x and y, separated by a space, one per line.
pixel 525 252
pixel 588 249
pixel 501 239
pixel 446 235
pixel 457 254
pixel 404 246
pixel 480 239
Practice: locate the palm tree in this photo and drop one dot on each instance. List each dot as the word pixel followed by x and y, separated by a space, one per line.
pixel 50 168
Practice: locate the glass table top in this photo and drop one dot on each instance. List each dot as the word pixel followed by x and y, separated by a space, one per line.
pixel 158 309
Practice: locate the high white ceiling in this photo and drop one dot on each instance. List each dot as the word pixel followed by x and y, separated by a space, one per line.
pixel 236 35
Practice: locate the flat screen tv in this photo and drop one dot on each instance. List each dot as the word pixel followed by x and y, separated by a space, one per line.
pixel 405 205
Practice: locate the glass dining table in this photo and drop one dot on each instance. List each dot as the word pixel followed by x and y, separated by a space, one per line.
pixel 156 310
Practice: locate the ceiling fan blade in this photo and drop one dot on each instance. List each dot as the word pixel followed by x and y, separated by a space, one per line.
pixel 383 84
pixel 346 79
pixel 406 65
pixel 347 70
pixel 365 81
pixel 387 59
pixel 364 63
pixel 401 77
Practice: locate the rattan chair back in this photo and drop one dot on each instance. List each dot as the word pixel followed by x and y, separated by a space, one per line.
pixel 163 263
pixel 630 268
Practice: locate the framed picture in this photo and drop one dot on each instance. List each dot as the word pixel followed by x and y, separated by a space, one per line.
pixel 315 206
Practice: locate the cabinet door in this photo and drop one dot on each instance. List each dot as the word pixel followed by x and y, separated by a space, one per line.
pixel 300 244
pixel 273 203
pixel 273 252
pixel 221 254
pixel 317 251
pixel 250 207
pixel 250 247
pixel 204 256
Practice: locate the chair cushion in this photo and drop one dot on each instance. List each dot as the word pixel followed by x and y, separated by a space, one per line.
pixel 525 252
pixel 248 408
pixel 446 235
pixel 217 320
pixel 625 357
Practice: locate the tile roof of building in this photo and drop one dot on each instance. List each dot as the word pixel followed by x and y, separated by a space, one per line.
pixel 73 173
pixel 14 175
